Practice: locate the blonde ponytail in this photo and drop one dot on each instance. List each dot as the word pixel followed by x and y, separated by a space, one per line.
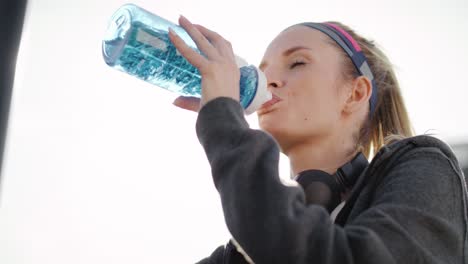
pixel 390 120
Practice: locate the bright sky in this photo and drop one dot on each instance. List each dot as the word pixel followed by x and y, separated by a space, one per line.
pixel 101 168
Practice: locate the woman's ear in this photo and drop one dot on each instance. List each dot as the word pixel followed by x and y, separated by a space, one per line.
pixel 358 97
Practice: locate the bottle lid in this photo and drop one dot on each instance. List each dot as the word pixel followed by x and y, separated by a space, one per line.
pixel 262 94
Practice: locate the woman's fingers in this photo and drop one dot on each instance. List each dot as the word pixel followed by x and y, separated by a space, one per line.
pixel 224 46
pixel 218 68
pixel 188 103
pixel 191 55
pixel 202 42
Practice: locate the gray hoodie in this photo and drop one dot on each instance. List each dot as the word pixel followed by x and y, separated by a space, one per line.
pixel 408 206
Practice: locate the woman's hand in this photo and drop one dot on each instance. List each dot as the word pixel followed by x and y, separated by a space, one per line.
pixel 219 71
pixel 188 103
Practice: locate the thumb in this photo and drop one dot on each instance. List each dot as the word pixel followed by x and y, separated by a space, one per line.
pixel 187 103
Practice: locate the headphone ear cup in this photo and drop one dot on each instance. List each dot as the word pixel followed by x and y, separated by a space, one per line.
pixel 320 188
pixel 320 193
pixel 325 189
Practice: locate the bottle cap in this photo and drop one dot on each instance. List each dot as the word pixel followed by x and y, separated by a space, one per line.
pixel 262 94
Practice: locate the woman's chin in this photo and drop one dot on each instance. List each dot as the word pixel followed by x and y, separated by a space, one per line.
pixel 270 123
pixel 266 121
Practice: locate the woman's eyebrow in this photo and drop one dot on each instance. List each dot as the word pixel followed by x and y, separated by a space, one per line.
pixel 294 49
pixel 285 54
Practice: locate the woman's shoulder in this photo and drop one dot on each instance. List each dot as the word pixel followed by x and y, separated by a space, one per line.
pixel 416 147
pixel 420 162
pixel 423 141
pixel 413 188
pixel 419 171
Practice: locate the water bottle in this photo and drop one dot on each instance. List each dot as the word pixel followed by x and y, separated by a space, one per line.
pixel 137 42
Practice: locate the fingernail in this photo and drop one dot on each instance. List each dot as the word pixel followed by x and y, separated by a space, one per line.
pixel 172 32
pixel 184 18
pixel 177 103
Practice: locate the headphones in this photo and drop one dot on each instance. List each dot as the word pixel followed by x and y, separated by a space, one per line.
pixel 325 189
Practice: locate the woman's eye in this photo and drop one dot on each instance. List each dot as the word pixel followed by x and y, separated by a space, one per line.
pixel 296 63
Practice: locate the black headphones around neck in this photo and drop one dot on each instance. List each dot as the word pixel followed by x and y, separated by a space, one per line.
pixel 325 189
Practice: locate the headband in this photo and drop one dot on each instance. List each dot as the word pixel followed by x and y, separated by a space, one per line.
pixel 354 51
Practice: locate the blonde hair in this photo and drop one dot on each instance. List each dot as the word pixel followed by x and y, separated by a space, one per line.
pixel 390 120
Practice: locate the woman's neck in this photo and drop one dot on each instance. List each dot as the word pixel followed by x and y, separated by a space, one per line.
pixel 320 154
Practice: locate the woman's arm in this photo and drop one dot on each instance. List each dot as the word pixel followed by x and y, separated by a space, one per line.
pixel 272 223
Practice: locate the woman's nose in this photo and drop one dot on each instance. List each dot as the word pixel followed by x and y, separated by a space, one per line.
pixel 274 80
pixel 275 83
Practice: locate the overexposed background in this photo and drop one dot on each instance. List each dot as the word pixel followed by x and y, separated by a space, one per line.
pixel 101 168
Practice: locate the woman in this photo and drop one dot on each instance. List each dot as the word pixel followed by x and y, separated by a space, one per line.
pixel 334 96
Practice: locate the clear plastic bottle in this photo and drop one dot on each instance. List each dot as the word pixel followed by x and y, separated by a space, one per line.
pixel 137 42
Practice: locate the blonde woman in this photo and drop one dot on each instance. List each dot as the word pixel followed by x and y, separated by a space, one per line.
pixel 335 100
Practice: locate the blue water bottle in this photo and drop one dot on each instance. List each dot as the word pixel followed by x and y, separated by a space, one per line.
pixel 137 42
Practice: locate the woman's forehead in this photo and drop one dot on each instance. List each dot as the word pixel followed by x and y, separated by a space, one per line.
pixel 296 36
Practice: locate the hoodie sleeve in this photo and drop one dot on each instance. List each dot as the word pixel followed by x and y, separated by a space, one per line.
pixel 273 224
pixel 225 255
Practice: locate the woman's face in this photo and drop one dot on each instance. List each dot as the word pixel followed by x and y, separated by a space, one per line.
pixel 304 74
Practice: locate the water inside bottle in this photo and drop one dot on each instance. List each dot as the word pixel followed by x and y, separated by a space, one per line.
pixel 150 55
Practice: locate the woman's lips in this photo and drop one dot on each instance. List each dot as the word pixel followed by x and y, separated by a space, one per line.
pixel 268 105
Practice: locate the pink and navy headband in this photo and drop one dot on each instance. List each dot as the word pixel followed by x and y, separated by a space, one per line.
pixel 354 51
